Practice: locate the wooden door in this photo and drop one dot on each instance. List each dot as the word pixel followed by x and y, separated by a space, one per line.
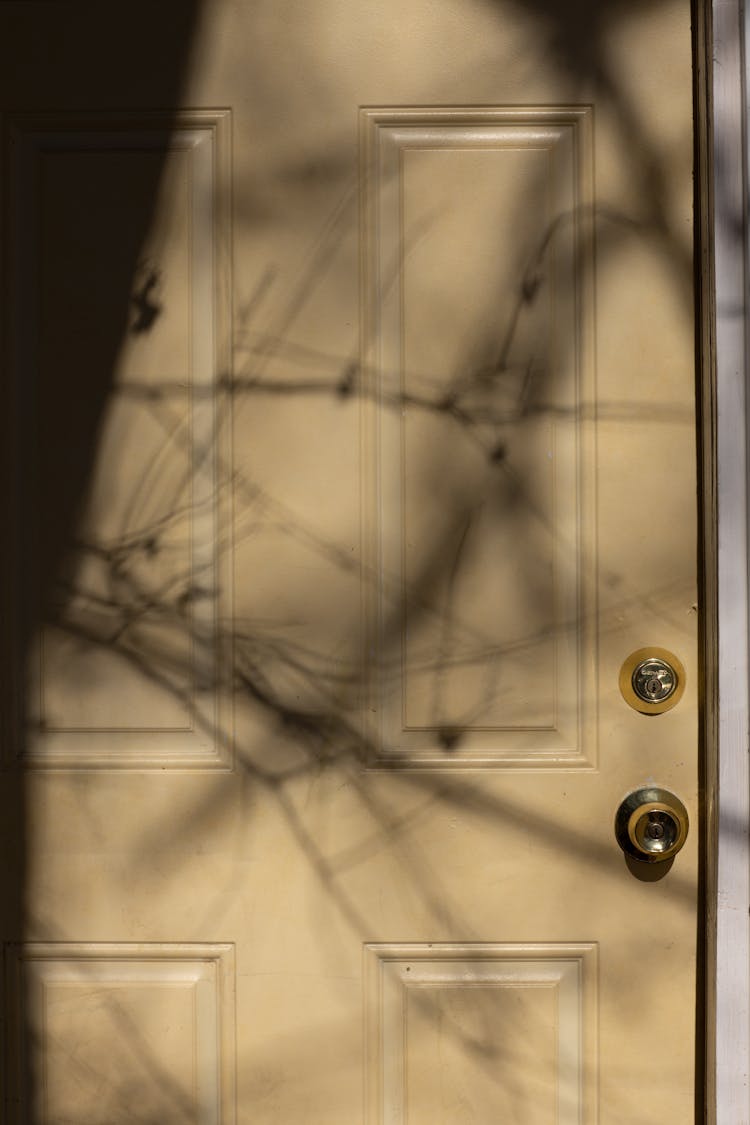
pixel 351 360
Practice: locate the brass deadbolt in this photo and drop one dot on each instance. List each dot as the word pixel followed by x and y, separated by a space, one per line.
pixel 651 825
pixel 652 680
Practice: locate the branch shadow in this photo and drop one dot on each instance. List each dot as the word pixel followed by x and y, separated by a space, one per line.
pixel 140 603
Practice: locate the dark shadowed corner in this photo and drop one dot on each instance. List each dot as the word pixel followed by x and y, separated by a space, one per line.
pixel 66 71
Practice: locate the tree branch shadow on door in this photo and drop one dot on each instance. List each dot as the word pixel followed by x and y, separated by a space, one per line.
pixel 138 595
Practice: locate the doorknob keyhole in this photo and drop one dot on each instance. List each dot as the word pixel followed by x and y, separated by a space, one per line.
pixel 651 825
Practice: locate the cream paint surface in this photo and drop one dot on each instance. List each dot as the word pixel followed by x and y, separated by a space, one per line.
pixel 327 737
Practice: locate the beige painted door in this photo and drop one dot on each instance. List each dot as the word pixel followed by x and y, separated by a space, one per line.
pixel 354 453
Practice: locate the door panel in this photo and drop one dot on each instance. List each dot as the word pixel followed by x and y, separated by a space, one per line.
pixel 470 674
pixel 353 387
pixel 521 1032
pixel 168 1010
pixel 153 501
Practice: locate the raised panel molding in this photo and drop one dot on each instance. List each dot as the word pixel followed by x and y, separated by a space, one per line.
pixel 102 1026
pixel 130 674
pixel 477 300
pixel 479 1032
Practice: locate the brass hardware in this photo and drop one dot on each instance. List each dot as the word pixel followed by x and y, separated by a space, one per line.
pixel 652 680
pixel 651 825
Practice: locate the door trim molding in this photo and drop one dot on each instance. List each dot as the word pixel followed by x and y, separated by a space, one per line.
pixel 722 28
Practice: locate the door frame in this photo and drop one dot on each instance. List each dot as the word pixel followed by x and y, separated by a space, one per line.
pixel 722 29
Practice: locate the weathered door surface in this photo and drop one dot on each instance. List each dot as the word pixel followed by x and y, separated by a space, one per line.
pixel 351 385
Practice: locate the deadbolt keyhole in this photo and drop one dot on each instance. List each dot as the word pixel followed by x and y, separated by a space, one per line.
pixel 654 680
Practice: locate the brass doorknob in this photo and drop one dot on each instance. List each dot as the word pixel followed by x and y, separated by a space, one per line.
pixel 651 825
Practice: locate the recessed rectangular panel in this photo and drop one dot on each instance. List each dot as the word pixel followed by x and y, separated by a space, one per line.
pixel 118 258
pixel 479 1033
pixel 478 455
pixel 122 1033
pixel 488 1063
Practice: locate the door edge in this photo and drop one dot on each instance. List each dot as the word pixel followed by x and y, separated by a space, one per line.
pixel 723 1015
